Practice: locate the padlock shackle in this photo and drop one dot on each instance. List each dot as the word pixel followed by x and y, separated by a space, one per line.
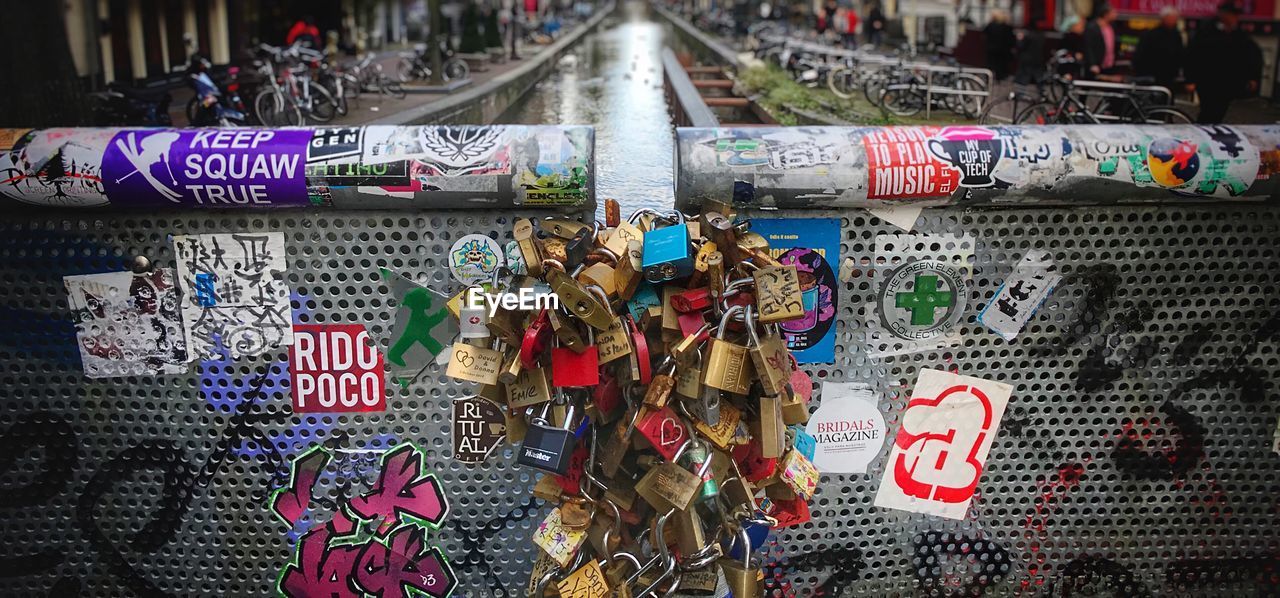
pixel 636 215
pixel 724 320
pixel 553 264
pixel 750 323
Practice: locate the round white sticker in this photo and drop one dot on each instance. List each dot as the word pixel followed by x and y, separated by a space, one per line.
pixel 474 258
pixel 848 428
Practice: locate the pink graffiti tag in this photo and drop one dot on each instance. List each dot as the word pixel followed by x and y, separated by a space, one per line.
pixel 403 564
pixel 345 557
pixel 321 569
pixel 402 491
pixel 290 503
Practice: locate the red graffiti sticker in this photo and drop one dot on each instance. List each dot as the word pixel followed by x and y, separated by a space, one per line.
pixel 335 369
pixel 938 456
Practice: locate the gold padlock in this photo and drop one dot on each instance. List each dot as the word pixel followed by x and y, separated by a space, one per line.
pixel 770 356
pixel 527 243
pixel 778 296
pixel 627 276
pixel 743 579
pixel 727 367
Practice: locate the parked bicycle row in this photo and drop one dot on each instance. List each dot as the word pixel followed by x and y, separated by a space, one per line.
pixel 893 81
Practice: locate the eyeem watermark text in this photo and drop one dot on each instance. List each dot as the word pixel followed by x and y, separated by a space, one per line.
pixel 526 299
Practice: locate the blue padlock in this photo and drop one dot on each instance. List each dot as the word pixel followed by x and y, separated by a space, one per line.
pixel 757 531
pixel 667 255
pixel 803 442
pixel 644 298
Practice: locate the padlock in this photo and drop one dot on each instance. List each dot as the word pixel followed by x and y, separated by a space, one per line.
pixel 578 300
pixel 720 230
pixel 715 273
pixel 606 399
pixel 789 513
pixel 640 362
pixel 577 248
pixel 536 340
pixel 622 236
pixel 727 367
pixel 799 474
pixel 529 388
pixel 773 434
pixel 574 515
pixel 699 277
pixel 613 343
pixel 694 456
pixel 770 356
pixel 665 431
pixel 566 332
pixel 670 317
pixel 691 323
pixel 689 349
pixel 689 377
pixel 474 364
pixel 546 448
pixel 660 387
pixel 722 432
pixel 778 297
pixel 530 248
pixel 668 486
pixel 512 369
pixel 629 273
pixel 563 227
pixel 794 410
pixel 692 300
pixel 690 537
pixel 743 579
pixel 666 252
pixel 601 274
pixel 612 212
pixel 572 369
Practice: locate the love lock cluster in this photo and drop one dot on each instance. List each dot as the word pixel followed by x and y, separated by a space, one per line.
pixel 655 398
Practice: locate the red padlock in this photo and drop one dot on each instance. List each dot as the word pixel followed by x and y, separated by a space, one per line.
pixel 664 430
pixel 691 323
pixel 535 341
pixel 789 513
pixel 752 462
pixel 800 381
pixel 575 370
pixel 607 396
pixel 692 300
pixel 641 352
pixel 577 464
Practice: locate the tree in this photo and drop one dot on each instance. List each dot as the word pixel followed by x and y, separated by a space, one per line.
pixel 472 41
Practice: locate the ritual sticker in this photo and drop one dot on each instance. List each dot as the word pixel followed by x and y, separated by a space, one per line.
pixel 1022 293
pixel 474 258
pixel 938 456
pixel 422 328
pixel 479 428
pixel 127 324
pixel 207 167
pixel 812 245
pixel 848 428
pixel 335 368
pixel 234 293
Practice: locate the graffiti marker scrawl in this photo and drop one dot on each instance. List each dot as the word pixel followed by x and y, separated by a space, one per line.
pixel 946 433
pixel 207 167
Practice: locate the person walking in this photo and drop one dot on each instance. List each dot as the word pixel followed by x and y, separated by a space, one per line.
pixel 1224 64
pixel 849 27
pixel 1100 43
pixel 1160 52
pixel 1000 42
pixel 875 25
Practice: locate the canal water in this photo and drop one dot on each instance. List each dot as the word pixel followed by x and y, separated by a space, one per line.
pixel 613 80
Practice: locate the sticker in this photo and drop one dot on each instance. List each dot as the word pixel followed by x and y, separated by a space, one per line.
pixel 336 369
pixel 803 443
pixel 328 143
pixel 1213 160
pixel 903 217
pixel 440 151
pixel 473 322
pixel 1021 295
pixel 560 176
pixel 947 430
pixel 474 258
pixel 847 427
pixel 812 245
pixel 901 163
pixel 560 543
pixel 587 582
pixel 207 167
pixel 922 300
pixel 479 427
pixel 234 293
pixel 56 167
pixel 423 327
pixel 800 474
pixel 127 324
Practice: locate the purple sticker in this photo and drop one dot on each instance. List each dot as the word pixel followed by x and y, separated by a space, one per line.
pixel 207 167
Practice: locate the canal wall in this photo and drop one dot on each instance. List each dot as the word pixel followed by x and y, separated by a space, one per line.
pixel 484 103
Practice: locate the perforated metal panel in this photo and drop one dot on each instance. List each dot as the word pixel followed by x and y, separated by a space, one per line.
pixel 1134 457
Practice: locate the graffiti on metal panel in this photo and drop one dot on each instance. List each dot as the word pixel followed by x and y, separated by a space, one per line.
pixel 248 308
pixel 422 328
pixel 374 543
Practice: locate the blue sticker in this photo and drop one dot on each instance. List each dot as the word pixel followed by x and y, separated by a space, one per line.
pixel 204 288
pixel 806 444
pixel 812 245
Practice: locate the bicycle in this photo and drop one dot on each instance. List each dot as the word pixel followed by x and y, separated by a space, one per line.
pixel 416 65
pixel 290 99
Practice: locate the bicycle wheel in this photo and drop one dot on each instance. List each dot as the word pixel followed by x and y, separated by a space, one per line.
pixel 872 87
pixel 406 70
pixel 324 107
pixel 967 106
pixel 390 87
pixel 456 70
pixel 1043 113
pixel 1002 111
pixel 901 102
pixel 840 82
pixel 1167 116
pixel 274 110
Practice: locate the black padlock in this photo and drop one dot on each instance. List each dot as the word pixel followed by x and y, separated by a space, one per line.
pixel 547 448
pixel 578 247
